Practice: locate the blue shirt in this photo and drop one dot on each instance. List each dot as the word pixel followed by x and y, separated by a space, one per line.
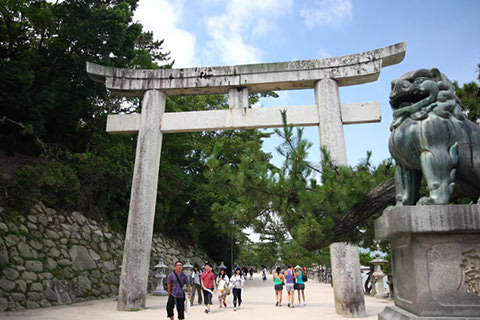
pixel 175 289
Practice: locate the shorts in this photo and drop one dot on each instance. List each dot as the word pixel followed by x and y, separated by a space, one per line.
pixel 300 286
pixel 289 287
pixel 279 287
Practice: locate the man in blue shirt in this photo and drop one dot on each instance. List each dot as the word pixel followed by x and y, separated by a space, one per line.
pixel 175 282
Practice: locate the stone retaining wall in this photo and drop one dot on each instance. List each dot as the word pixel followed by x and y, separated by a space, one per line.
pixel 48 258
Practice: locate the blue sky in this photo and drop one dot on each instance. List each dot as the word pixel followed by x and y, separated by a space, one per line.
pixel 439 33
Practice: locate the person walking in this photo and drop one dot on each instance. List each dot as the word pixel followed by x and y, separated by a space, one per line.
pixel 251 272
pixel 238 281
pixel 289 285
pixel 300 285
pixel 196 285
pixel 208 285
pixel 176 297
pixel 222 285
pixel 278 280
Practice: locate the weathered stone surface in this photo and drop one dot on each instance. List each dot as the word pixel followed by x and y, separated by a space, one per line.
pixel 49 243
pixel 50 294
pixel 94 255
pixel 3 304
pixel 7 285
pixel 432 247
pixel 21 285
pixel 44 303
pixel 81 259
pixel 45 276
pixel 64 292
pixel 64 262
pixel 51 264
pixel 79 218
pixel 109 266
pixel 52 234
pixel 10 273
pixel 36 244
pixel 103 246
pixel 54 253
pixel 3 228
pixel 3 254
pixel 18 297
pixel 68 273
pixel 83 286
pixel 31 226
pixel 29 276
pixel 36 286
pixel 25 251
pixel 11 240
pixel 34 265
pixel 347 70
pixel 32 219
pixel 32 304
pixel 43 219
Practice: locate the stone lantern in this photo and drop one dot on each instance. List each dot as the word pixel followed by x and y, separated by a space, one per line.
pixel 188 267
pixel 378 274
pixel 221 266
pixel 160 268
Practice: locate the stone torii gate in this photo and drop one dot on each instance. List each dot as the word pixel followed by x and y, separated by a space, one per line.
pixel 324 75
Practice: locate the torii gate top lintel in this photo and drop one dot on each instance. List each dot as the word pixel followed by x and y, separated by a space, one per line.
pixel 346 70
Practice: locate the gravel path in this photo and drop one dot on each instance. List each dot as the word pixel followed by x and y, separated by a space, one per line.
pixel 258 304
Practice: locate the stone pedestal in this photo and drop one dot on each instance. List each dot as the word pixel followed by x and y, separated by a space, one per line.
pixel 436 261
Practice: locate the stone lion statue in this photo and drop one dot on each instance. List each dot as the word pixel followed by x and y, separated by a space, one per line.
pixel 431 136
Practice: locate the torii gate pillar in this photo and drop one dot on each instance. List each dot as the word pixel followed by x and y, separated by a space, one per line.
pixel 324 75
pixel 344 257
pixel 143 198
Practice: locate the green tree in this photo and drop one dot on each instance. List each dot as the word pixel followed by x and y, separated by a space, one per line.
pixel 43 83
pixel 469 96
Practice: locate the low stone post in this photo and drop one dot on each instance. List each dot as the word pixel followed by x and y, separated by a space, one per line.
pixel 138 239
pixel 345 260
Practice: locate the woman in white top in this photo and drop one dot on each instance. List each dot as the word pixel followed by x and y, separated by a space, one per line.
pixel 238 281
pixel 222 285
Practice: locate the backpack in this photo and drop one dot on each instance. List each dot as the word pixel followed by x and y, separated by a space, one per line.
pixel 304 277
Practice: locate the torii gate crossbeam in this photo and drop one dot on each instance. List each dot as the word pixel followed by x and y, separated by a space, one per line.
pixel 324 75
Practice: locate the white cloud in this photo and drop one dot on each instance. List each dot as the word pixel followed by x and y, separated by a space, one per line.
pixel 232 30
pixel 163 17
pixel 327 13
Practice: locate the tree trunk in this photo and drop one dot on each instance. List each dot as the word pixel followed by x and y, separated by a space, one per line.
pixel 377 199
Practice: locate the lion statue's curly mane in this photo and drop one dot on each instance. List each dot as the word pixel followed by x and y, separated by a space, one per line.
pixel 431 135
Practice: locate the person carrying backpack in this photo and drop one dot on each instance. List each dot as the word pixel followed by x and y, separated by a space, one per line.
pixel 176 297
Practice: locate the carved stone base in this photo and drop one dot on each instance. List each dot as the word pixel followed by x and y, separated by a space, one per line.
pixel 396 313
pixel 435 261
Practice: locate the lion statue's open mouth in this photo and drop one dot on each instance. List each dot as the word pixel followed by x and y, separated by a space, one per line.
pixel 431 136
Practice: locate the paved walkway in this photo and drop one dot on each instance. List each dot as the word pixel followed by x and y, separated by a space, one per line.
pixel 258 304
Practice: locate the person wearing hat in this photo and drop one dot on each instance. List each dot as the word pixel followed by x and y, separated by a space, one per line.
pixel 300 285
pixel 238 281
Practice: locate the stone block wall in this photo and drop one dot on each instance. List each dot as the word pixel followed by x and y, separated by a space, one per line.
pixel 49 258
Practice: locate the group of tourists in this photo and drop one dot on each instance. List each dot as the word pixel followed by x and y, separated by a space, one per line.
pixel 204 284
pixel 294 280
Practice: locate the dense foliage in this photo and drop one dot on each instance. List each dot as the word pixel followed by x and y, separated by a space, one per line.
pixel 51 110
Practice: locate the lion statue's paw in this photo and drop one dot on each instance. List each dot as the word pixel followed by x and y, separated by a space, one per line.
pixel 425 201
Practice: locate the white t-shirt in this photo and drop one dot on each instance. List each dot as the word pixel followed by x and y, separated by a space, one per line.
pixel 237 281
pixel 222 283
